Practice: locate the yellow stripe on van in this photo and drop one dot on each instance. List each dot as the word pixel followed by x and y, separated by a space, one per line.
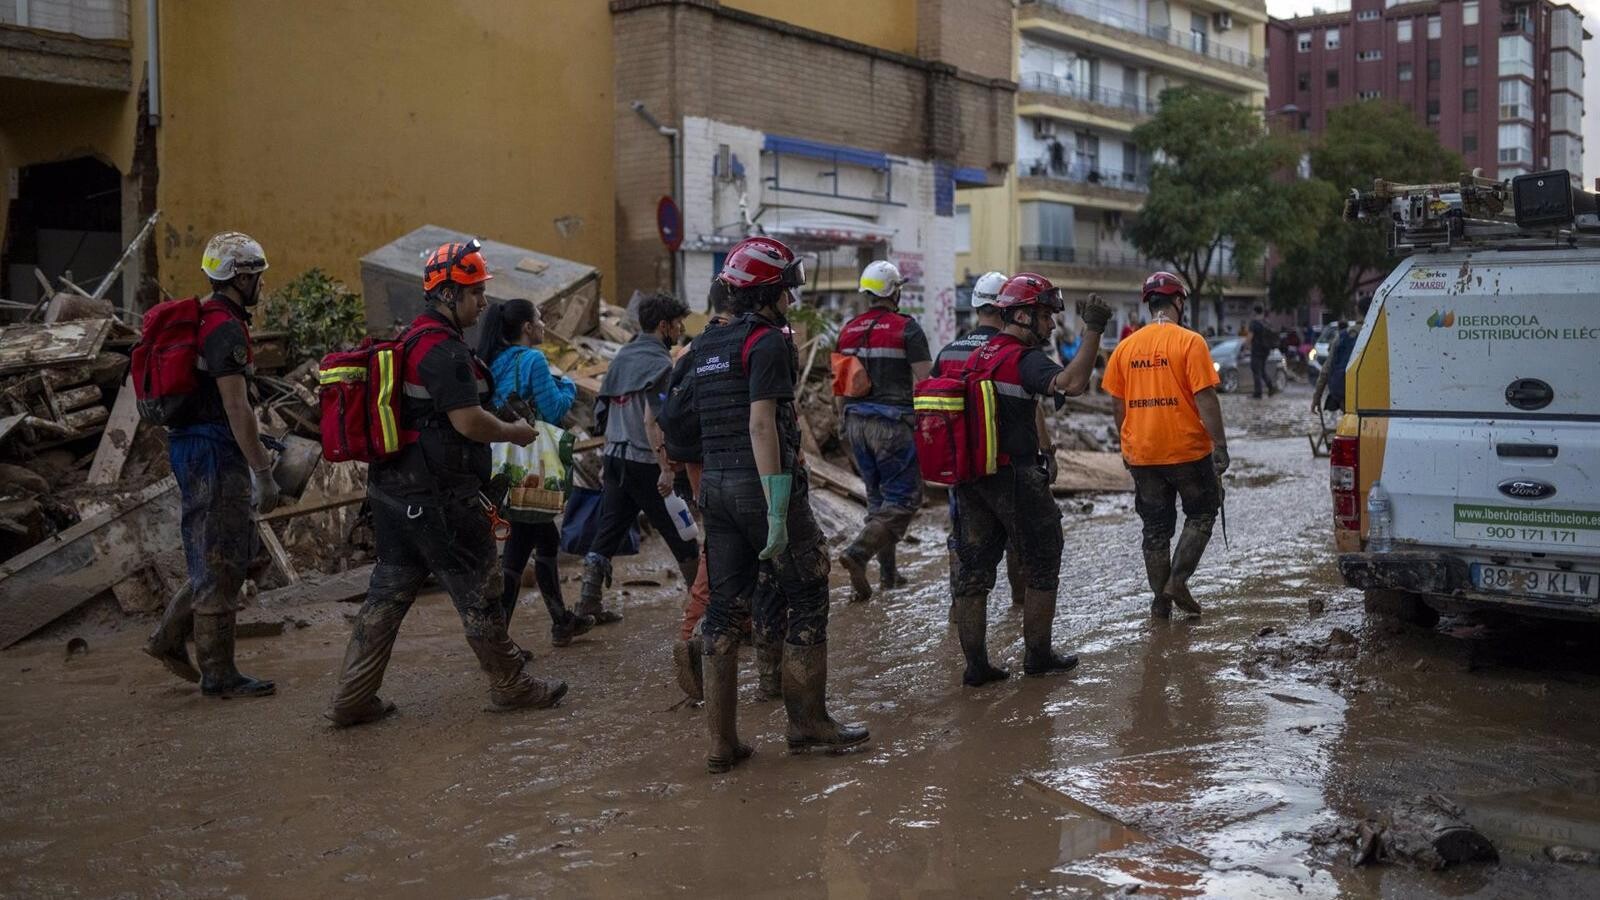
pixel 386 423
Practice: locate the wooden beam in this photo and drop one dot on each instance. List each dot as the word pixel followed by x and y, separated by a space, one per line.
pixel 837 479
pixel 343 587
pixel 280 556
pixel 123 426
pixel 313 506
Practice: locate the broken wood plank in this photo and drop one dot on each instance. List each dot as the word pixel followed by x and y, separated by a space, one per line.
pixel 85 421
pixel 9 423
pixel 577 314
pixel 30 346
pixel 346 586
pixel 837 479
pixel 314 506
pixel 280 556
pixel 64 571
pixel 1089 471
pixel 78 397
pixel 121 428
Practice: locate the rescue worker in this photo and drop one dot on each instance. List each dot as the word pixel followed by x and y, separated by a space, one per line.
pixel 223 474
pixel 1172 439
pixel 755 496
pixel 952 359
pixel 429 513
pixel 1015 502
pixel 878 425
pixel 1330 380
pixel 637 475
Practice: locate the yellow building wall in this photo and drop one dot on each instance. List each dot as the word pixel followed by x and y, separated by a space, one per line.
pixel 326 128
pixel 886 24
pixel 994 229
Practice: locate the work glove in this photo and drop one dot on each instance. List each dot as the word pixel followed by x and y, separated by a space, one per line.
pixel 776 488
pixel 264 494
pixel 1095 314
pixel 1219 460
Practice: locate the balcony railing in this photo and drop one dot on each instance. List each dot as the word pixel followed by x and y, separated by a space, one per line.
pixel 1045 83
pixel 1193 42
pixel 1082 173
pixel 105 20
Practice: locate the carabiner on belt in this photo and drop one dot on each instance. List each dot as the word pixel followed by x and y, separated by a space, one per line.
pixel 500 527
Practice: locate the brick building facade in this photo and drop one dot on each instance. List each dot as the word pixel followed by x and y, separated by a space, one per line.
pixel 1500 81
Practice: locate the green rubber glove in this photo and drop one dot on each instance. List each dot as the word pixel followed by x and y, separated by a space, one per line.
pixel 777 488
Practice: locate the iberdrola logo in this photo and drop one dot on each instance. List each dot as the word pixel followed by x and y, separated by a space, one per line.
pixel 1445 319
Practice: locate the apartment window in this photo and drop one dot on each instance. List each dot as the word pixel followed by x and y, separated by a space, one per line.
pixel 1130 163
pixel 1433 70
pixel 1516 55
pixel 1049 226
pixel 1433 112
pixel 1516 143
pixel 1469 100
pixel 1369 95
pixel 1469 12
pixel 1469 55
pixel 1333 78
pixel 1332 42
pixel 1402 31
pixel 1434 28
pixel 1086 152
pixel 1305 121
pixel 1368 15
pixel 1303 39
pixel 1403 71
pixel 1303 81
pixel 963 229
pixel 1469 143
pixel 1368 55
pixel 1516 99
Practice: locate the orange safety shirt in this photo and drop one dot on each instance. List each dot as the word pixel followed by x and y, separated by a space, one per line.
pixel 1156 371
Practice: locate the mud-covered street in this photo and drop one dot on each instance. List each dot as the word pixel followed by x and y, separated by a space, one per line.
pixel 1206 757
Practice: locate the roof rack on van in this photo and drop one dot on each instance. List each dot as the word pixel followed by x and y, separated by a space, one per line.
pixel 1528 211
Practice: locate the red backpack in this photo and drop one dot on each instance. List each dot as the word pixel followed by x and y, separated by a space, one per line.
pixel 166 360
pixel 359 393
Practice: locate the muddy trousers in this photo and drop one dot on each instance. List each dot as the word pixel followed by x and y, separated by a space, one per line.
pixel 885 453
pixel 455 544
pixel 1156 492
pixel 628 489
pixel 219 536
pixel 541 541
pixel 1014 573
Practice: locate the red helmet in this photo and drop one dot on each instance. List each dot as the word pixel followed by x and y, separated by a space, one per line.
pixel 1164 284
pixel 457 262
pixel 758 261
pixel 1028 289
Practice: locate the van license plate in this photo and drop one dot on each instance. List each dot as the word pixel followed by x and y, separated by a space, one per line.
pixel 1538 582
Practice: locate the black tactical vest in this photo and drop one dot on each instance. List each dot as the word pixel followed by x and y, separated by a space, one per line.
pixel 722 397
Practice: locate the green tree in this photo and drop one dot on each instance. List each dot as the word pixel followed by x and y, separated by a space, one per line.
pixel 1218 186
pixel 1363 141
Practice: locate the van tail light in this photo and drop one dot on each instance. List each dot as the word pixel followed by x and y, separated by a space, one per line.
pixel 1343 472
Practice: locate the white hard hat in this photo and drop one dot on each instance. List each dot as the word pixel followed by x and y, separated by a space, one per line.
pixel 987 290
pixel 232 253
pixel 881 278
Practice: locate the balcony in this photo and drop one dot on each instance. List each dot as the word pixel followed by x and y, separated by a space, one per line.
pixel 1127 35
pixel 1081 185
pixel 72 43
pixel 1040 93
pixel 1070 267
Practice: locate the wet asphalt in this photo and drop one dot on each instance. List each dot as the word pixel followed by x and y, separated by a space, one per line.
pixel 1190 758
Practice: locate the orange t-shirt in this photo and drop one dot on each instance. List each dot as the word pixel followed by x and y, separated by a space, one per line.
pixel 1156 371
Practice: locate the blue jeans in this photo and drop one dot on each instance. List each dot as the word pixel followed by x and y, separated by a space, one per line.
pixel 219 534
pixel 885 452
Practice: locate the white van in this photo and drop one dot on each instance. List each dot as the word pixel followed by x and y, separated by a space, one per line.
pixel 1473 398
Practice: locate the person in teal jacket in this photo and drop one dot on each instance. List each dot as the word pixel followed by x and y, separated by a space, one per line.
pixel 509 343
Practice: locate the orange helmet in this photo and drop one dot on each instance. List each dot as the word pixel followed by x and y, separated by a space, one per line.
pixel 456 262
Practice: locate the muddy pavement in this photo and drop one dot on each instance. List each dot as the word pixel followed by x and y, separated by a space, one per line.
pixel 1187 758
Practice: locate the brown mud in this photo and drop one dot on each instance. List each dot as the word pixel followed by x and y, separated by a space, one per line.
pixel 1191 758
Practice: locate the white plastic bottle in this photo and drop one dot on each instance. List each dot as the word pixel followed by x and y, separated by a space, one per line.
pixel 1380 520
pixel 679 511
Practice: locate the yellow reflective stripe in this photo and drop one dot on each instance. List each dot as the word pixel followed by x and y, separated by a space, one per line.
pixel 874 284
pixel 939 404
pixel 386 423
pixel 991 462
pixel 342 373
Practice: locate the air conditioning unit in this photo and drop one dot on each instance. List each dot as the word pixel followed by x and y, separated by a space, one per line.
pixel 1044 128
pixel 1222 21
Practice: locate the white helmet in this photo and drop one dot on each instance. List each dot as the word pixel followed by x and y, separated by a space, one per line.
pixel 232 253
pixel 987 290
pixel 881 278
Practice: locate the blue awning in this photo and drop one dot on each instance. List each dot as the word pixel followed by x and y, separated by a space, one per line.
pixel 853 156
pixel 971 176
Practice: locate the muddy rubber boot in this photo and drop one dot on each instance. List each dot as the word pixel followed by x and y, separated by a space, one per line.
pixel 954 560
pixel 855 557
pixel 1017 578
pixel 972 627
pixel 888 569
pixel 722 709
pixel 169 642
pixel 596 575
pixel 686 663
pixel 1191 546
pixel 1038 619
pixel 1158 568
pixel 805 686
pixel 213 643
pixel 510 686
pixel 372 710
pixel 769 670
pixel 562 632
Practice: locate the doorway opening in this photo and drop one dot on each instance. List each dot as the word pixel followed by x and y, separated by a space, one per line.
pixel 67 218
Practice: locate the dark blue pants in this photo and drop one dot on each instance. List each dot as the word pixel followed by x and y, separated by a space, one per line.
pixel 885 453
pixel 219 534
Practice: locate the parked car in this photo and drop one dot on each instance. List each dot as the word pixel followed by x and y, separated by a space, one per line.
pixel 1236 371
pixel 1324 343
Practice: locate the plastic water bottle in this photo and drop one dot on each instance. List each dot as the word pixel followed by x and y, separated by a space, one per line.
pixel 679 511
pixel 1380 520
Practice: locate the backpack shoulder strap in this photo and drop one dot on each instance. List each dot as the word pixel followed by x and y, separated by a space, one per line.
pixel 757 332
